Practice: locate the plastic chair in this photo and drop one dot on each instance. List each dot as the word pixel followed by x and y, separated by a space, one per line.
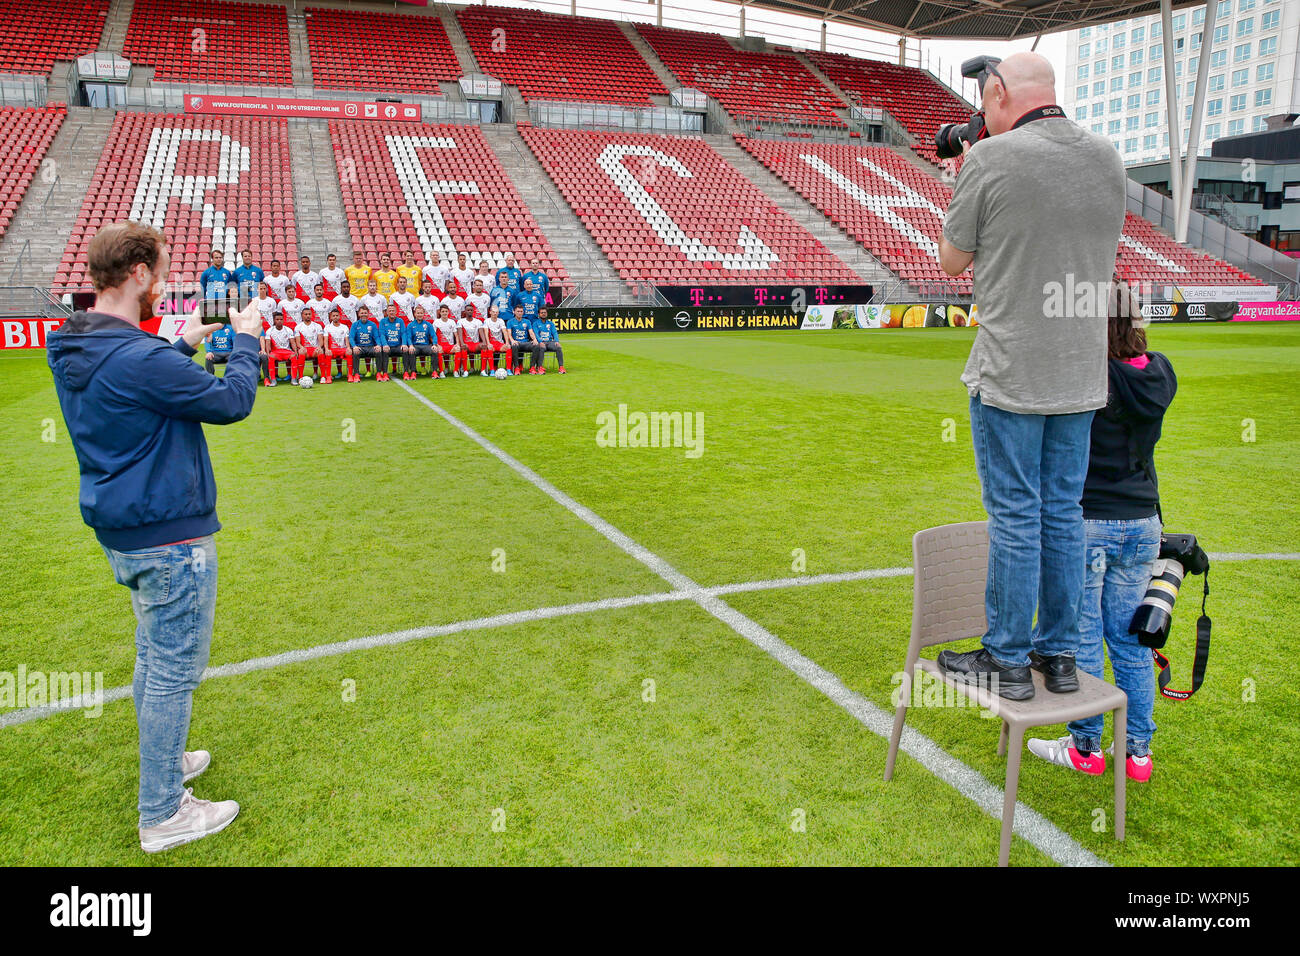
pixel 950 567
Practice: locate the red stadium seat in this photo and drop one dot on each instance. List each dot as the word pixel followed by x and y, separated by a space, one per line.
pixel 211 41
pixel 454 186
pixel 206 216
pixel 555 57
pixel 348 51
pixel 34 35
pixel 25 136
pixel 670 210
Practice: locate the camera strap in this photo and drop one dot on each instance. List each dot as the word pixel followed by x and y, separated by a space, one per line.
pixel 1041 112
pixel 1198 663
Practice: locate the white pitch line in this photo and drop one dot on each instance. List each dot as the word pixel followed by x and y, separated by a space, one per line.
pixel 1029 823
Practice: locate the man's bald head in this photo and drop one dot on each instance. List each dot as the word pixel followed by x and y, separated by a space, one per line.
pixel 1025 81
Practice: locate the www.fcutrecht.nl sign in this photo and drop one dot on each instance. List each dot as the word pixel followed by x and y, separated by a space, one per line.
pixel 284 107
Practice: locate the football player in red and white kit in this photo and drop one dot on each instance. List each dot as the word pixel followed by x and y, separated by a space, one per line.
pixel 453 300
pixel 373 301
pixel 436 274
pixel 311 341
pixel 332 277
pixel 304 278
pixel 430 298
pixel 478 299
pixel 266 305
pixel 278 346
pixel 464 275
pixel 494 335
pixel 347 304
pixel 292 306
pixel 446 329
pixel 336 345
pixel 320 307
pixel 404 301
pixel 470 327
pixel 276 281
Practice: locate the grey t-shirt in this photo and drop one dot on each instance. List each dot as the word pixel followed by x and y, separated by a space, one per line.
pixel 1042 208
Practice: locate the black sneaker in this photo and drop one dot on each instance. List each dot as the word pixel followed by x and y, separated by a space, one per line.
pixel 1058 672
pixel 979 667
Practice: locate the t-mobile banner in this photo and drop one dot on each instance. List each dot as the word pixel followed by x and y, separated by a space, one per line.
pixel 1268 312
pixel 281 107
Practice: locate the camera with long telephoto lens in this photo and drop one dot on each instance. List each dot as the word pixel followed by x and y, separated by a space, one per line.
pixel 1180 556
pixel 948 141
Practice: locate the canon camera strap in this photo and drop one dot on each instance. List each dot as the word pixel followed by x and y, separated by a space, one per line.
pixel 1041 112
pixel 1202 654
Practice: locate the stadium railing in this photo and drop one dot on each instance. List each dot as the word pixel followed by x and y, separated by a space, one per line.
pixel 578 114
pixel 18 90
pixel 27 301
pixel 598 292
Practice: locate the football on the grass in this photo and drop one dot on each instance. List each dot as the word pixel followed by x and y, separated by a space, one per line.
pixel 306 382
pixel 501 373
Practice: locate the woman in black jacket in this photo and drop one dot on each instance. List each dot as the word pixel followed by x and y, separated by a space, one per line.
pixel 1121 520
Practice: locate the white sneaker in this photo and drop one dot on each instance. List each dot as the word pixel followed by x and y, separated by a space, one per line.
pixel 193 763
pixel 193 820
pixel 1063 753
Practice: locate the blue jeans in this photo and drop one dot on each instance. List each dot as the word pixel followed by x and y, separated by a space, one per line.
pixel 174 594
pixel 1118 572
pixel 1031 470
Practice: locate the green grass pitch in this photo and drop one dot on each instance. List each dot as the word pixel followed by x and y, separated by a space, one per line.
pixel 535 742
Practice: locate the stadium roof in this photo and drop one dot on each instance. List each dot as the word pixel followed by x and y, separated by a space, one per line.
pixel 970 19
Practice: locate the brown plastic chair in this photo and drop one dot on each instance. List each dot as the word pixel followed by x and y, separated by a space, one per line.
pixel 950 566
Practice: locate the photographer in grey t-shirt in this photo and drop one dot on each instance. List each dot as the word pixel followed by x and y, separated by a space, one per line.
pixel 1037 211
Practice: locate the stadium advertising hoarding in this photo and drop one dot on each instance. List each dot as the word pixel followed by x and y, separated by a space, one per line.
pixel 765 296
pixel 1217 293
pixel 735 319
pixel 280 107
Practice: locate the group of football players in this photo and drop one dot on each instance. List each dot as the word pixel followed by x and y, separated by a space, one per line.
pixel 450 318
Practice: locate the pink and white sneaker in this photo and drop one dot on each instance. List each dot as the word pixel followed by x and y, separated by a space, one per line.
pixel 1138 768
pixel 1062 751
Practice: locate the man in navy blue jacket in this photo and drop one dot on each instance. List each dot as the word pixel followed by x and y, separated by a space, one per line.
pixel 134 405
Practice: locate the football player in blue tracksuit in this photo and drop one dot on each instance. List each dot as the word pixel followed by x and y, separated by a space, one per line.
pixel 514 278
pixel 541 281
pixel 420 340
pixel 218 345
pixel 502 296
pixel 531 300
pixel 548 340
pixel 365 343
pixel 392 339
pixel 523 340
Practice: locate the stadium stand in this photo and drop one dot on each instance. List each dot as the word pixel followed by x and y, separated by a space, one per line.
pixel 344 55
pixel 1148 255
pixel 25 136
pixel 207 182
pixel 211 41
pixel 426 187
pixel 557 57
pixel 747 84
pixel 880 199
pixel 911 95
pixel 895 210
pixel 670 210
pixel 34 35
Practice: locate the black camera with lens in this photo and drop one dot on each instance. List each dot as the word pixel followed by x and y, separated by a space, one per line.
pixel 948 140
pixel 1180 555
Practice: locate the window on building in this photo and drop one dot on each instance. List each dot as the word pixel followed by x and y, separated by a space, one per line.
pixel 1224 9
pixel 1216 82
pixel 1149 142
pixel 1240 77
pixel 1117 104
pixel 1191 88
pixel 1154 53
pixel 1240 53
pixel 1098 109
pixel 1138 35
pixel 1214 107
pixel 1268 46
pixel 1099 88
pixel 1212 131
pixel 1098 127
pixel 1131 144
pixel 1152 119
pixel 1135 102
pixel 1263 72
pixel 1264 97
pixel 1085 50
pixel 1198 17
pixel 1154 74
pixel 1135 57
pixel 1218 59
pixel 1117 42
pixel 1081 113
pixel 1257 125
pixel 1116 84
pixel 1245 27
pixel 1178 68
pixel 1193 63
pixel 1081 92
pixel 1270 19
pixel 1244 6
pixel 1099 68
pixel 1135 79
pixel 1083 71
pixel 1101 45
pixel 1236 127
pixel 1117 62
pixel 1113 128
pixel 1132 122
pixel 1221 35
pixel 1153 97
pixel 1086 32
pixel 1237 103
pixel 1180 22
pixel 1196 41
